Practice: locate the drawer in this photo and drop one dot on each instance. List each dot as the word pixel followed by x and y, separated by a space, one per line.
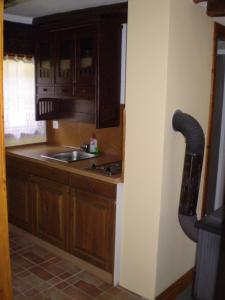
pixel 93 185
pixel 66 91
pixel 15 165
pixel 45 90
pixel 85 92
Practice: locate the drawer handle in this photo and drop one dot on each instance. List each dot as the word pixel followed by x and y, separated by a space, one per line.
pixel 45 90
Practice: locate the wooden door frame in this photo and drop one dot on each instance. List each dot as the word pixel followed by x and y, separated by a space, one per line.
pixel 219 31
pixel 5 270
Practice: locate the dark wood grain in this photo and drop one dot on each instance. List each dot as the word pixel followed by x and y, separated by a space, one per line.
pixel 215 8
pixel 93 223
pixel 19 38
pixel 177 287
pixel 83 17
pixel 100 83
pixel 20 203
pixel 94 186
pixel 109 57
pixel 70 211
pixel 17 164
pixel 51 211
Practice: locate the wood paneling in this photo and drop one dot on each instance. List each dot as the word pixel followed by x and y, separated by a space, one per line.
pixel 215 8
pixel 5 272
pixel 219 33
pixel 83 16
pixel 14 165
pixel 177 287
pixel 93 223
pixel 51 211
pixel 75 134
pixel 109 69
pixel 18 38
pixel 93 186
pixel 19 200
pixel 78 216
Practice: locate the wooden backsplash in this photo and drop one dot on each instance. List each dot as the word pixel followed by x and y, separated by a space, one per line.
pixel 71 133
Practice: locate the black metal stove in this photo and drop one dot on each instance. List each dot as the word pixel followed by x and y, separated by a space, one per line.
pixel 109 169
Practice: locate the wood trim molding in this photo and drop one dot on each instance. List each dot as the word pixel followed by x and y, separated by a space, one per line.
pixel 219 32
pixel 68 19
pixel 177 287
pixel 5 270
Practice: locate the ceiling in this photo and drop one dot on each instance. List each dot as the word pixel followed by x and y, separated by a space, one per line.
pixel 30 9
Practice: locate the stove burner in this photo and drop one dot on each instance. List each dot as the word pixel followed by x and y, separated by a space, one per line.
pixel 107 169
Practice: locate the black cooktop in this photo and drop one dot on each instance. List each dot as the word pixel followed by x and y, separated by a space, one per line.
pixel 108 169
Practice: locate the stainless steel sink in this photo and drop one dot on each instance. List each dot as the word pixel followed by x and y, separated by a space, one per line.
pixel 70 156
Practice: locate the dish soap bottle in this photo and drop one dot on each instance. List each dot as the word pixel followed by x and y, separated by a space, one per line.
pixel 93 144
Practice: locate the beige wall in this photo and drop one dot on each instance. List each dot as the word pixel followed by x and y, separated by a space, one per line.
pixel 188 89
pixel 148 28
pixel 168 67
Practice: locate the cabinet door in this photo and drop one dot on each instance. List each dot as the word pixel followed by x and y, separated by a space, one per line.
pixel 44 59
pixel 109 71
pixel 19 200
pixel 51 208
pixel 86 63
pixel 65 55
pixel 93 228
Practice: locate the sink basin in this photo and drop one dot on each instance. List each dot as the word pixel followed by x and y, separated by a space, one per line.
pixel 70 156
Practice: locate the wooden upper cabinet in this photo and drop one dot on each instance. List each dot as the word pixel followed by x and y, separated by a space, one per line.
pixel 80 64
pixel 45 59
pixel 109 74
pixel 51 208
pixel 65 57
pixel 86 63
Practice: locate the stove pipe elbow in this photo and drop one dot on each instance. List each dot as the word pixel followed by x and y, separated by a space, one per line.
pixel 195 143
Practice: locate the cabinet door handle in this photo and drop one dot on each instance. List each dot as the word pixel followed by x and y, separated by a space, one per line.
pixel 45 90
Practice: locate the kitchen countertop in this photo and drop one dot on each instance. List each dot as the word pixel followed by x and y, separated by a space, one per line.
pixel 33 153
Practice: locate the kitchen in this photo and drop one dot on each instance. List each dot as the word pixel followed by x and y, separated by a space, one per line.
pixel 165 71
pixel 67 191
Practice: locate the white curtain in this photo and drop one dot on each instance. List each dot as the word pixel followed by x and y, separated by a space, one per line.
pixel 19 102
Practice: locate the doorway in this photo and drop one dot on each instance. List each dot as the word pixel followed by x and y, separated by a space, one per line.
pixel 215 158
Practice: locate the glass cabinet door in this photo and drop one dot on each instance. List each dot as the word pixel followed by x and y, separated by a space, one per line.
pixel 65 54
pixel 86 57
pixel 44 63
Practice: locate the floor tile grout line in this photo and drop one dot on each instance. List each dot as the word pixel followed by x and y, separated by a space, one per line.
pixel 17 251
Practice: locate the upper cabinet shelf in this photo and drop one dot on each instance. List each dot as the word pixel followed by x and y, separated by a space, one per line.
pixel 78 67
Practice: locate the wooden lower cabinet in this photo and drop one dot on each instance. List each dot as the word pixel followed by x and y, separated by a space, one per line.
pixel 92 236
pixel 51 201
pixel 77 215
pixel 19 200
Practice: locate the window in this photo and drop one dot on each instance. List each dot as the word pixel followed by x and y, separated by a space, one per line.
pixel 19 103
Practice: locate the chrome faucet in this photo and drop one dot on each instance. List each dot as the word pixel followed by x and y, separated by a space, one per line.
pixel 85 147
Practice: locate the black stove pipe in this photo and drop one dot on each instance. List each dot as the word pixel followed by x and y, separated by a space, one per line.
pixel 195 143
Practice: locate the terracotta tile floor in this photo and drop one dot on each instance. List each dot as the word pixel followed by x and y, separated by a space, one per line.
pixel 41 275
